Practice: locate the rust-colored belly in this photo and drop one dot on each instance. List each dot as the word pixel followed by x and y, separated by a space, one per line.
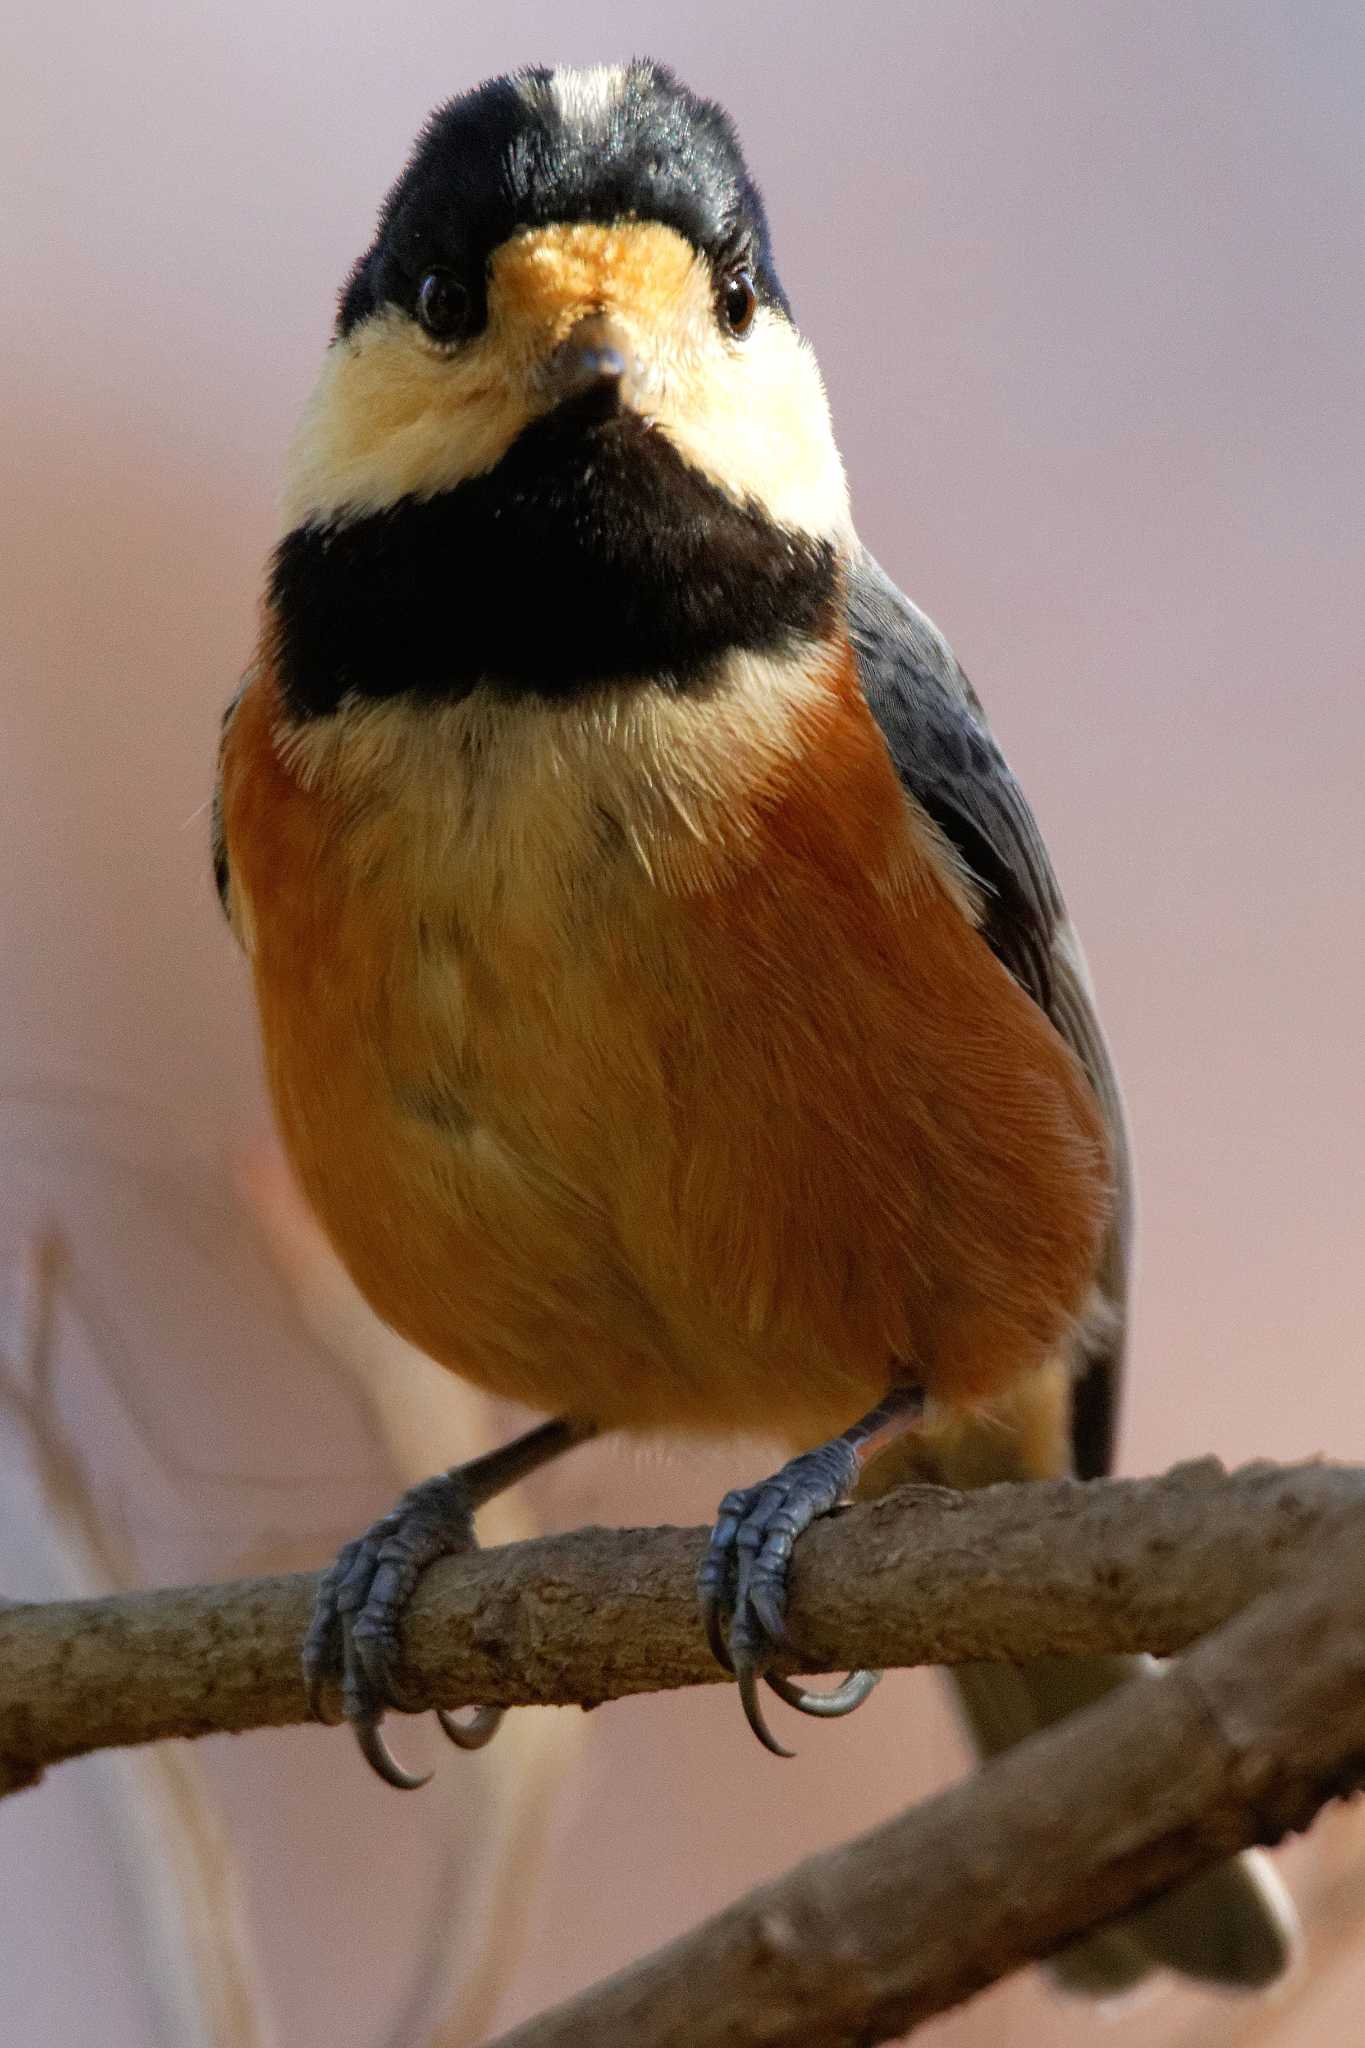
pixel 715 1158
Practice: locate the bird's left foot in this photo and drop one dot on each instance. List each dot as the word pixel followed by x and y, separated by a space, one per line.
pixel 360 1602
pixel 742 1583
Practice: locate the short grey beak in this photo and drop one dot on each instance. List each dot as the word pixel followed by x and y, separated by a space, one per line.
pixel 592 370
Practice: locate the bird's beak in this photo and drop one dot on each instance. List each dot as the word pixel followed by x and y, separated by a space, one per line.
pixel 593 370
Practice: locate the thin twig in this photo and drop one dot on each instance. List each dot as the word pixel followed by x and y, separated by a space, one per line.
pixel 177 1875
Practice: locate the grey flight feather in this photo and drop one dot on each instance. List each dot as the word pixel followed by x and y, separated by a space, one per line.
pixel 1233 1926
pixel 948 761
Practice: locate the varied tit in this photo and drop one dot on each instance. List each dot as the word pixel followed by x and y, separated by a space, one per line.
pixel 667 1001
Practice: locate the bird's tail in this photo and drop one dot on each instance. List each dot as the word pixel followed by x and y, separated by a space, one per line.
pixel 1234 1926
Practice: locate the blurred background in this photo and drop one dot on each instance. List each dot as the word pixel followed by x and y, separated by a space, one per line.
pixel 1086 281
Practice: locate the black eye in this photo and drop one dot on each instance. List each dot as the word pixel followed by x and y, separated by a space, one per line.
pixel 738 300
pixel 443 305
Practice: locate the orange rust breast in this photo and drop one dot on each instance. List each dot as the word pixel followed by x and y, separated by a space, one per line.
pixel 715 1145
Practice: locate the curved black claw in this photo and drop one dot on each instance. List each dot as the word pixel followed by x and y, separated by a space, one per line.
pixel 356 1617
pixel 825 1706
pixel 742 1583
pixel 381 1758
pixel 475 1733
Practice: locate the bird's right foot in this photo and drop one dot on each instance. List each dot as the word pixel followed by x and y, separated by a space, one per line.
pixel 356 1617
pixel 354 1633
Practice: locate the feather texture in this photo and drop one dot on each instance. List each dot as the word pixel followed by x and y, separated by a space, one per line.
pixel 639 1059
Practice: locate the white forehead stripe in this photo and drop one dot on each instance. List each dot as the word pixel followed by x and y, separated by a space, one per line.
pixel 586 99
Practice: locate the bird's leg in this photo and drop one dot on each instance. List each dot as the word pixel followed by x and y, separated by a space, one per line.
pixel 361 1598
pixel 742 1584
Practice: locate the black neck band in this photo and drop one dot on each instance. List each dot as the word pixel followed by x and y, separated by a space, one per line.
pixel 584 557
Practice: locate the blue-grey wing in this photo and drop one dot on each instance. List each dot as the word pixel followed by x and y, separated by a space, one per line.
pixel 949 763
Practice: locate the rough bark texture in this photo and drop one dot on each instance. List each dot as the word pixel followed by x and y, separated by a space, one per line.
pixel 1240 1743
pixel 920 1577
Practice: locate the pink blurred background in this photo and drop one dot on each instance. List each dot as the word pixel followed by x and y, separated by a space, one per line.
pixel 1088 286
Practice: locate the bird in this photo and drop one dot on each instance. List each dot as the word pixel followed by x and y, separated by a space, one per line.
pixel 667 1001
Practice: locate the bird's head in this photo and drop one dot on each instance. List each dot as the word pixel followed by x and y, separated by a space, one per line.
pixel 567 362
pixel 582 243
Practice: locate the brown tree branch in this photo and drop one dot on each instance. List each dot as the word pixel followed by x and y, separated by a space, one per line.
pixel 1243 1740
pixel 921 1577
pixel 1239 1743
